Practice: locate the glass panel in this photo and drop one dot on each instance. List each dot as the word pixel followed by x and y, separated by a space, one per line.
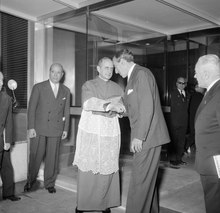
pixel 70 47
pixel 176 61
pixel 106 36
pixel 197 47
pixel 213 43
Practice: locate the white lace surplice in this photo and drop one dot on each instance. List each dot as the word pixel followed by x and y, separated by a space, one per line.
pixel 98 143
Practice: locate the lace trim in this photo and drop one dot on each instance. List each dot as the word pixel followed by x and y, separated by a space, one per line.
pixel 95 153
pixel 98 124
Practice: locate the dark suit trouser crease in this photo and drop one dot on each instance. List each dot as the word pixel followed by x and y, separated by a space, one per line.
pixel 142 194
pixel 211 188
pixel 47 149
pixel 177 145
pixel 7 174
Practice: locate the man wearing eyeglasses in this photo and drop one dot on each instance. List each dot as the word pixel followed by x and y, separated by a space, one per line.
pixel 179 121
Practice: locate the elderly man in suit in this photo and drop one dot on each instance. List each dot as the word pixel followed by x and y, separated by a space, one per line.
pixel 6 132
pixel 207 129
pixel 148 132
pixel 48 123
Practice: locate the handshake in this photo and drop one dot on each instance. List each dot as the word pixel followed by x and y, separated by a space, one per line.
pixel 114 107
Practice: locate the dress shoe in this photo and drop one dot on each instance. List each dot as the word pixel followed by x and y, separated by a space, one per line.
pixel 78 211
pixel 27 187
pixel 108 210
pixel 174 164
pixel 12 198
pixel 182 162
pixel 51 190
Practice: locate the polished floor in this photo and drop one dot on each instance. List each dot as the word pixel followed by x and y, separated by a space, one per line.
pixel 180 191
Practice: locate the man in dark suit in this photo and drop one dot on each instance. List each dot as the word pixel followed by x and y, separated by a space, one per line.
pixel 195 99
pixel 48 123
pixel 179 102
pixel 207 129
pixel 148 132
pixel 6 132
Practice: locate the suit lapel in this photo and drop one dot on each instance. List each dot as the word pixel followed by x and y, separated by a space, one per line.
pixel 50 90
pixel 207 97
pixel 129 83
pixel 60 93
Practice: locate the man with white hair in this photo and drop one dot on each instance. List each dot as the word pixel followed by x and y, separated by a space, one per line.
pixel 207 129
pixel 47 124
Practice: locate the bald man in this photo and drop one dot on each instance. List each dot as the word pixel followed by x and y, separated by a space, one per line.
pixel 207 129
pixel 48 124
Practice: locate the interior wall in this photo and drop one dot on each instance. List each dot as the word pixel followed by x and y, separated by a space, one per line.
pixel 64 53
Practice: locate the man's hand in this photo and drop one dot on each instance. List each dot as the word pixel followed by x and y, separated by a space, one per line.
pixel 64 135
pixel 136 145
pixel 32 133
pixel 108 114
pixel 7 146
pixel 111 114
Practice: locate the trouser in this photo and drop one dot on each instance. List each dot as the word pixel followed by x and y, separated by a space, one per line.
pixel 211 188
pixel 7 173
pixel 142 194
pixel 177 145
pixel 47 149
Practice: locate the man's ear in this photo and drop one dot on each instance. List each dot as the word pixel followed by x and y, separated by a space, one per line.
pixel 206 74
pixel 98 68
pixel 122 61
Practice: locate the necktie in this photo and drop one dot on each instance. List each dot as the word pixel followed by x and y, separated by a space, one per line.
pixel 182 95
pixel 55 90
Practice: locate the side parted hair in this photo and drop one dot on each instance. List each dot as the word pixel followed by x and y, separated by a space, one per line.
pixel 124 54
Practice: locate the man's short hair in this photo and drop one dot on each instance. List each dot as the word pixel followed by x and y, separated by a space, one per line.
pixel 126 54
pixel 56 65
pixel 102 60
pixel 213 61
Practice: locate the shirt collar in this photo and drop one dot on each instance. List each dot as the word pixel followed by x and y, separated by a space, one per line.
pixel 181 91
pixel 53 85
pixel 130 70
pixel 102 78
pixel 209 87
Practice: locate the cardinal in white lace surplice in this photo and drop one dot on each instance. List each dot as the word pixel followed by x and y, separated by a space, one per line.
pixel 98 137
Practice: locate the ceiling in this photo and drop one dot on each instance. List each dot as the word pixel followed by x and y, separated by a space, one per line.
pixel 150 18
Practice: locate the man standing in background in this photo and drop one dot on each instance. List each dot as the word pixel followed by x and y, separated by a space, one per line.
pixel 148 132
pixel 179 102
pixel 207 129
pixel 48 123
pixel 195 99
pixel 6 133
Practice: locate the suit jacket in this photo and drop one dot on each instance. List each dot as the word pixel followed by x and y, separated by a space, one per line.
pixel 179 109
pixel 6 120
pixel 144 109
pixel 207 131
pixel 48 115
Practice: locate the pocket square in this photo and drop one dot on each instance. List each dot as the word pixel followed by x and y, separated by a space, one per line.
pixel 129 91
pixel 64 98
